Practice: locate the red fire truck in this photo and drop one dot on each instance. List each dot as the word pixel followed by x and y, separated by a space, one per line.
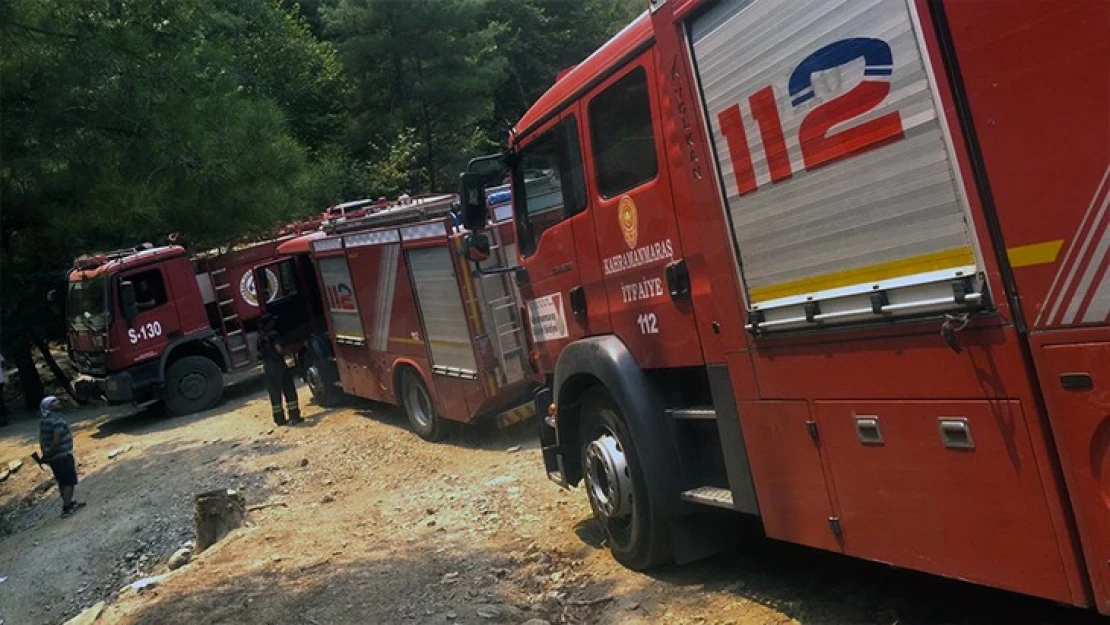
pixel 151 323
pixel 389 310
pixel 841 266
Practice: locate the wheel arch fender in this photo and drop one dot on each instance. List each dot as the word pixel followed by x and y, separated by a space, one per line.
pixel 196 344
pixel 607 362
pixel 398 367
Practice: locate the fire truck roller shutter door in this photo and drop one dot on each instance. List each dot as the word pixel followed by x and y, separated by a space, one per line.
pixel 837 172
pixel 441 307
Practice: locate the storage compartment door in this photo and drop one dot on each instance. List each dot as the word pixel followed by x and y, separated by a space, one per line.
pixel 441 309
pixel 837 174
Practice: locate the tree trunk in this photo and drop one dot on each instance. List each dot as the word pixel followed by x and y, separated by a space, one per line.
pixel 60 376
pixel 217 513
pixel 29 379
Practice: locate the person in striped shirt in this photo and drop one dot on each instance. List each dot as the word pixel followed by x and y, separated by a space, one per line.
pixel 56 441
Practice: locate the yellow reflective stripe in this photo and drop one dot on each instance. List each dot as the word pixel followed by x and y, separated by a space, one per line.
pixel 946 259
pixel 1035 254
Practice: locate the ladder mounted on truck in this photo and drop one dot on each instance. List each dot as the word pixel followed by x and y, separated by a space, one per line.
pixel 230 324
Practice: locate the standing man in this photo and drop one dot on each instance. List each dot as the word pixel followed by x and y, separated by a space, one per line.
pixel 279 379
pixel 56 441
pixel 3 406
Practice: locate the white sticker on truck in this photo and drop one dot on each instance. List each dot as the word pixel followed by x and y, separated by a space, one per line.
pixel 547 318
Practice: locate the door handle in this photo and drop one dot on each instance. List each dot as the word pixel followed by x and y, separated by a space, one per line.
pixel 578 302
pixel 678 280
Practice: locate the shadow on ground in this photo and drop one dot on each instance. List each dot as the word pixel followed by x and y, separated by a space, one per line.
pixel 485 434
pixel 813 586
pixel 47 559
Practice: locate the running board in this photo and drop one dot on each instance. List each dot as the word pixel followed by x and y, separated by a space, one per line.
pixel 696 413
pixel 709 496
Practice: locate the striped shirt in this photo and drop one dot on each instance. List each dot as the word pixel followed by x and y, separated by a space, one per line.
pixel 50 423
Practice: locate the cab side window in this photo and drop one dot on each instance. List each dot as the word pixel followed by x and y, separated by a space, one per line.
pixel 548 183
pixel 622 135
pixel 150 289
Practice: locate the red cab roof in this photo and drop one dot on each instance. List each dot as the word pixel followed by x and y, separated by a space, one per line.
pixel 636 34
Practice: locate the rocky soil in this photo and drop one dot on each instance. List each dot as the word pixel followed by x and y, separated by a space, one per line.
pixel 356 520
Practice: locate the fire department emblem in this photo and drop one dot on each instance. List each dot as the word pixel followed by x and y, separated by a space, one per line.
pixel 629 220
pixel 248 292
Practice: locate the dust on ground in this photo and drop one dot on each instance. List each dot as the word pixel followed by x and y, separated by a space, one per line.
pixel 363 522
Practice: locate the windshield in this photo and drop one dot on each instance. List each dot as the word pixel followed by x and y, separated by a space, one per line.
pixel 87 305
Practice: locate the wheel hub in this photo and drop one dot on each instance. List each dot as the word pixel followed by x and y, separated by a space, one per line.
pixel 314 379
pixel 608 478
pixel 419 405
pixel 193 385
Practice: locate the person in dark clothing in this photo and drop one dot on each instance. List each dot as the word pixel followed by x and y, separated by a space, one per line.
pixel 279 378
pixel 56 443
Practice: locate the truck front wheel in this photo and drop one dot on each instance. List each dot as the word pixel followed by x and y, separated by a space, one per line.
pixel 619 495
pixel 418 405
pixel 193 384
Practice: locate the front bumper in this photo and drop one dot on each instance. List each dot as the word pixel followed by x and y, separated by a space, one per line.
pixel 136 385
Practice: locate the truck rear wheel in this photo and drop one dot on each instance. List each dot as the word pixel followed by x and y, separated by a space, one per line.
pixel 419 407
pixel 619 495
pixel 193 384
pixel 321 380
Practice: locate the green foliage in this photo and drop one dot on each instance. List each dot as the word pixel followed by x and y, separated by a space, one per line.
pixel 124 121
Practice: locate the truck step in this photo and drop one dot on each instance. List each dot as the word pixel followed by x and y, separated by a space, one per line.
pixel 230 318
pixel 239 348
pixel 222 286
pixel 234 332
pixel 218 270
pixel 701 413
pixel 226 302
pixel 709 496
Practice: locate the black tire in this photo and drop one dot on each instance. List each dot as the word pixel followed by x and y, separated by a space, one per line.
pixel 636 537
pixel 419 407
pixel 321 380
pixel 193 384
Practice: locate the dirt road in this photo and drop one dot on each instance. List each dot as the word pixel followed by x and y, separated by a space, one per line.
pixel 369 524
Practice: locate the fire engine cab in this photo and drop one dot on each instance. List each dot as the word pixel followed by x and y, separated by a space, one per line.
pixel 151 323
pixel 839 266
pixel 388 309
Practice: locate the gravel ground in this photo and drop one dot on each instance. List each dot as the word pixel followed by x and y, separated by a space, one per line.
pixel 366 523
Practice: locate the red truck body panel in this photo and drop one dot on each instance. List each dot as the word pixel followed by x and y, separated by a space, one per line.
pixel 992 463
pixel 404 297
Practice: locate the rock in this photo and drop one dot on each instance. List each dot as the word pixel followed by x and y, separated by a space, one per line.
pixel 304 462
pixel 513 449
pixel 452 615
pixel 14 466
pixel 327 499
pixel 432 523
pixel 275 558
pixel 328 482
pixel 536 621
pixel 488 611
pixel 180 558
pixel 450 578
pixel 430 511
pixel 4 475
pixel 271 467
pixel 88 615
pixel 119 450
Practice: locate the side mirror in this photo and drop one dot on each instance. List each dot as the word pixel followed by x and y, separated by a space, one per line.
pixel 472 198
pixel 127 301
pixel 477 247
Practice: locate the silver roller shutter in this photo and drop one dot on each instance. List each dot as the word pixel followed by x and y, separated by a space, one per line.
pixel 887 219
pixel 441 307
